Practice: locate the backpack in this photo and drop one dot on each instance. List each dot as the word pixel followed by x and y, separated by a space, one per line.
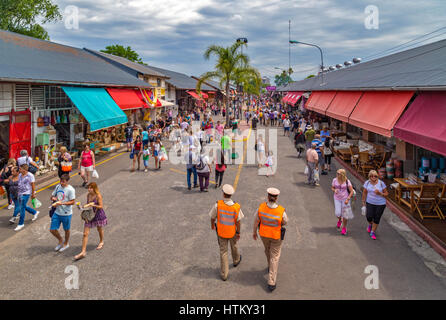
pixel 201 165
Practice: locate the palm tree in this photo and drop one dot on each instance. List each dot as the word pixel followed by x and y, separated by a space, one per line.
pixel 231 66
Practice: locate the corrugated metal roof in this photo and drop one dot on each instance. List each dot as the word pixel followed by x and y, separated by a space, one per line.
pixel 26 59
pixel 129 64
pixel 423 67
pixel 181 80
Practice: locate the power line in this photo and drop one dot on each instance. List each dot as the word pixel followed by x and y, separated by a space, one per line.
pixel 419 37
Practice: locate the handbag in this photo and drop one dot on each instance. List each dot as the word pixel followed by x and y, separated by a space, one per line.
pixel 52 210
pixel 31 168
pixel 88 214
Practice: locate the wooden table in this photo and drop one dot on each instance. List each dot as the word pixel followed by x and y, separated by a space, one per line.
pixel 404 184
pixel 344 154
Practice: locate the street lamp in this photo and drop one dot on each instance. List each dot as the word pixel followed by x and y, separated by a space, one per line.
pixel 322 57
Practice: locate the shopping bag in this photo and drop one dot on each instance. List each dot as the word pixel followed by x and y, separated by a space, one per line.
pixel 36 203
pixel 363 210
pixel 306 170
pixel 95 174
pixel 347 212
pixel 316 174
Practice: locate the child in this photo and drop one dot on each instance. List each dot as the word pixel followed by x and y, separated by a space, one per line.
pixel 269 163
pixel 145 157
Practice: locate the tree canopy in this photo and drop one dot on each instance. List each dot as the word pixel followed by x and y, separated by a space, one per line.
pixel 231 67
pixel 284 78
pixel 21 16
pixel 125 52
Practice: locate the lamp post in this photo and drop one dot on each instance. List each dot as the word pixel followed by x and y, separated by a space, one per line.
pixel 243 41
pixel 322 57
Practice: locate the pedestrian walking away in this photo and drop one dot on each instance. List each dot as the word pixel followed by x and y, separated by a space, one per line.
pixel 94 201
pixel 220 168
pixel 87 164
pixel 228 216
pixel 343 192
pixel 26 190
pixel 373 199
pixel 63 198
pixel 204 170
pixel 191 159
pixel 129 136
pixel 270 219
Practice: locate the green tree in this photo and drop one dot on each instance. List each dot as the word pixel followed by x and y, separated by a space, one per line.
pixel 21 16
pixel 310 76
pixel 284 78
pixel 231 67
pixel 125 52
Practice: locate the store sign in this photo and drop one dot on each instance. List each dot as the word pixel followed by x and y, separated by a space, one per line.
pixel 271 88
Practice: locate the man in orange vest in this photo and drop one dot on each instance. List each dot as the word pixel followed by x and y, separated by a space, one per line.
pixel 228 214
pixel 269 219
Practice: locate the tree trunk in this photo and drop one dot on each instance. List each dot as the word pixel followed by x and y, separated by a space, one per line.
pixel 227 103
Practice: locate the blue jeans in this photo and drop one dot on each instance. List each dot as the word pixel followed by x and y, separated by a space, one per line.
pixel 16 206
pixel 189 172
pixel 23 200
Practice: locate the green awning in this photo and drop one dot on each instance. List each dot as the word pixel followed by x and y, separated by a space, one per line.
pixel 96 106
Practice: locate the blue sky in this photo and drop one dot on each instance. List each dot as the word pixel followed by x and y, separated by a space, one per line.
pixel 174 34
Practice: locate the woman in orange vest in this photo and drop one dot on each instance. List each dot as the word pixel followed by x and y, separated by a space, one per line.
pixel 228 214
pixel 269 220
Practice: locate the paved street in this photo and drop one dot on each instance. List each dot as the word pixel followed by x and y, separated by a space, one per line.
pixel 159 244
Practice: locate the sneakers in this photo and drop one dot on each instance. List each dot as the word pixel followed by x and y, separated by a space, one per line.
pixel 64 248
pixel 35 216
pixel 19 227
pixel 12 220
pixel 338 225
pixel 369 228
pixel 344 231
pixel 58 247
pixel 11 206
pixel 372 235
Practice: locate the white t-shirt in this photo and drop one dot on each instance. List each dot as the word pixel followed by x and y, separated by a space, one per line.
pixel 286 123
pixel 205 160
pixel 24 160
pixel 64 194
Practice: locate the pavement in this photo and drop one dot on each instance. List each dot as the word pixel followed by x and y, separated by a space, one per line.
pixel 159 243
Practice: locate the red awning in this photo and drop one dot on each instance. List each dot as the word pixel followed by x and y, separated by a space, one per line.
pixel 423 124
pixel 127 99
pixel 321 101
pixel 286 98
pixel 314 96
pixel 343 104
pixel 204 95
pixel 195 95
pixel 294 97
pixel 378 111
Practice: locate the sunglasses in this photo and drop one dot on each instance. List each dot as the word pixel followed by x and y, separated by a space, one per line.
pixel 373 176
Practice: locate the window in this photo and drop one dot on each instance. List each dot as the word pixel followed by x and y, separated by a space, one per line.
pixel 57 99
pixel 6 97
pixel 158 82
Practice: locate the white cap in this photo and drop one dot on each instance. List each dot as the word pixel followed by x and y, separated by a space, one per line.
pixel 228 189
pixel 273 191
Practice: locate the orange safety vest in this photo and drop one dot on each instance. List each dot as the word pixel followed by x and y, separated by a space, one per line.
pixel 270 221
pixel 226 218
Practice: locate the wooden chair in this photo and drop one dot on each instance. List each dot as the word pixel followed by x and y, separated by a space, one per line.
pixel 364 163
pixel 354 152
pixel 426 196
pixel 441 200
pixel 381 162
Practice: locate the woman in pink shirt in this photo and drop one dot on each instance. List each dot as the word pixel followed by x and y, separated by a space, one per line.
pixel 87 164
pixel 343 192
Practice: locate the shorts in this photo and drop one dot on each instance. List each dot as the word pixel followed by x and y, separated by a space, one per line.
pixel 151 139
pixel 374 212
pixel 145 143
pixel 56 220
pixel 146 163
pixel 286 129
pixel 155 153
pixel 129 140
pixel 90 168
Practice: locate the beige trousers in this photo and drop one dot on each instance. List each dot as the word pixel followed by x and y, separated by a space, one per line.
pixel 224 268
pixel 272 252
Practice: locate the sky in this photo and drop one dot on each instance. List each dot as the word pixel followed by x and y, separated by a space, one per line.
pixel 173 34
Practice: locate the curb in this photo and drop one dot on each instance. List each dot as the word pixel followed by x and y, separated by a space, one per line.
pixel 436 244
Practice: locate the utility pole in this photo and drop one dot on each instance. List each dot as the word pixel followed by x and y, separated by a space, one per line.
pixel 289 48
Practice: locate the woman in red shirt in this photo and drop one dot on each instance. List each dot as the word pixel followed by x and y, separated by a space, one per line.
pixel 87 164
pixel 220 168
pixel 137 152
